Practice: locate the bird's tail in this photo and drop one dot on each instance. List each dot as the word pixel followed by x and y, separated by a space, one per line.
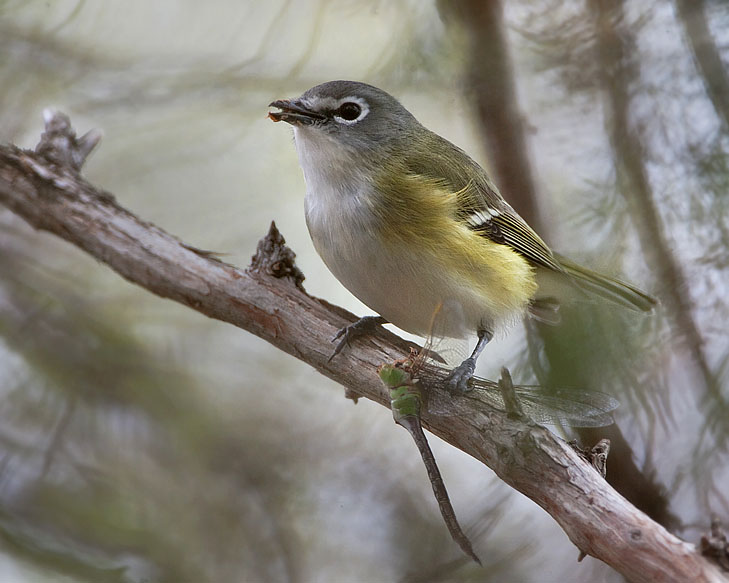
pixel 609 288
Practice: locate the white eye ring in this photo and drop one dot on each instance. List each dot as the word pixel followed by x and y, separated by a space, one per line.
pixel 364 110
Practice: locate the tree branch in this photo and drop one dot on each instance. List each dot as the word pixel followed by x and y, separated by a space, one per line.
pixel 619 73
pixel 692 15
pixel 269 302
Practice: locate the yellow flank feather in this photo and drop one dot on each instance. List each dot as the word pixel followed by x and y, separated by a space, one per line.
pixel 425 213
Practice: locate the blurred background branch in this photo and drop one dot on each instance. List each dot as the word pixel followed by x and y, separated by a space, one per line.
pixel 491 86
pixel 692 14
pixel 614 47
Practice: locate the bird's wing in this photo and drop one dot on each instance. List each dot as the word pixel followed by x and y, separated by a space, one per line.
pixel 479 204
pixel 505 226
pixel 480 207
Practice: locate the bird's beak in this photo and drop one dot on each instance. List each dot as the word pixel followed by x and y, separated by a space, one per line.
pixel 293 112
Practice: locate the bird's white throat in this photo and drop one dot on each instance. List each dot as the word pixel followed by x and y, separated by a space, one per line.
pixel 336 182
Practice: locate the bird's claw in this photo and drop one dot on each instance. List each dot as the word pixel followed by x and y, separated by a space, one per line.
pixel 365 325
pixel 457 379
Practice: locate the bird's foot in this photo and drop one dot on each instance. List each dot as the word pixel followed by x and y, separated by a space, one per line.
pixel 457 379
pixel 362 327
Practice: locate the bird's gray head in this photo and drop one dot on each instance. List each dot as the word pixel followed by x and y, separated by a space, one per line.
pixel 347 113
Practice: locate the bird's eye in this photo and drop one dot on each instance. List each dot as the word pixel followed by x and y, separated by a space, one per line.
pixel 349 111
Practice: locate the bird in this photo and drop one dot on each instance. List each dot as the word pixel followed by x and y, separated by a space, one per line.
pixel 410 223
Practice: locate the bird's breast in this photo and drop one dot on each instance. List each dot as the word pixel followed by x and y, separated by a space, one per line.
pixel 400 250
pixel 398 282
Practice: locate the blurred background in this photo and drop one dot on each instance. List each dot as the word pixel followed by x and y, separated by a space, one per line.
pixel 141 442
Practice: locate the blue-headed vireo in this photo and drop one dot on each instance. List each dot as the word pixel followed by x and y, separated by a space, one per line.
pixel 409 223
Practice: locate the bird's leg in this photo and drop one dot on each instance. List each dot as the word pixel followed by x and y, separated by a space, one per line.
pixel 457 379
pixel 365 325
